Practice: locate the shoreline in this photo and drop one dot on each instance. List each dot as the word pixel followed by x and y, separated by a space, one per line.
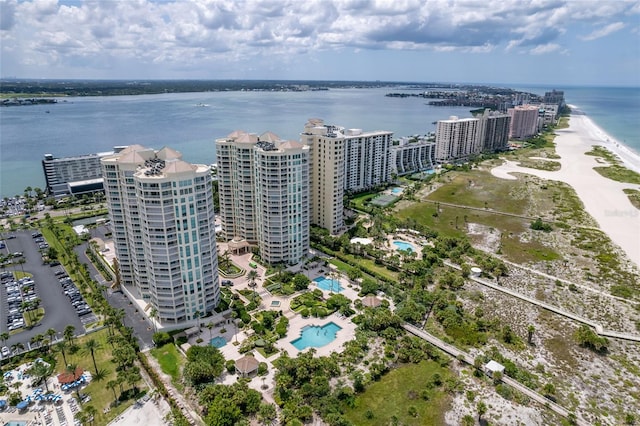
pixel 629 158
pixel 601 197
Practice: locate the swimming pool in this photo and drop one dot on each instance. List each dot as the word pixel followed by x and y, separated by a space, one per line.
pixel 403 245
pixel 397 191
pixel 313 336
pixel 15 423
pixel 328 284
pixel 218 342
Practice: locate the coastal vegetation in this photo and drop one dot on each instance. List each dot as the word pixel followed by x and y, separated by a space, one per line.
pixel 634 197
pixel 615 171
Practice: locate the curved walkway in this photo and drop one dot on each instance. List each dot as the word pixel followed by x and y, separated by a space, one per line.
pixel 598 328
pixel 461 355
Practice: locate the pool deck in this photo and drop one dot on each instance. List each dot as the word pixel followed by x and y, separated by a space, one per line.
pixel 297 323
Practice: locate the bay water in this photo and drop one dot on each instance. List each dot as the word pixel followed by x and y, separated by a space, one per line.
pixel 190 122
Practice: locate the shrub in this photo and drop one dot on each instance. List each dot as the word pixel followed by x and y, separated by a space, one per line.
pixel 161 338
pixel 304 313
pixel 262 369
pixel 230 365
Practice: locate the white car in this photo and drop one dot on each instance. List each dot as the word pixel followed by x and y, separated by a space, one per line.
pixel 5 351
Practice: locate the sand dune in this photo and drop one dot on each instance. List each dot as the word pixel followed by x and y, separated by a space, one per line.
pixel 602 198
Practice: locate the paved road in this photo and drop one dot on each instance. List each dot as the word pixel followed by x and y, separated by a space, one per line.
pixel 142 329
pixel 58 309
pixel 459 354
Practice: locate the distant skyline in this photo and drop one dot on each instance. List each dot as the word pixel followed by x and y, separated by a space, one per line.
pixel 513 42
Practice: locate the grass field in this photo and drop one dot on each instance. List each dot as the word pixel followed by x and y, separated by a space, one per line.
pixel 399 397
pixel 170 360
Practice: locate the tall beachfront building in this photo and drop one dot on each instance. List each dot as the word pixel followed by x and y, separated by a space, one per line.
pixel 457 139
pixel 343 160
pixel 263 183
pixel 493 131
pixel 524 121
pixel 161 211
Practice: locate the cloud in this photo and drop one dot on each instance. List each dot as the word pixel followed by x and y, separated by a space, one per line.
pixel 7 14
pixel 545 48
pixel 227 35
pixel 605 31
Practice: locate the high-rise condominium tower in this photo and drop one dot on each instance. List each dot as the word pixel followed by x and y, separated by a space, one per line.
pixel 161 210
pixel 263 184
pixel 524 121
pixel 457 139
pixel 343 160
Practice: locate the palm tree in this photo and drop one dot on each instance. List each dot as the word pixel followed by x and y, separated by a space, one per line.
pixel 69 332
pixel 51 333
pixel 61 347
pixel 4 337
pixel 41 371
pixel 252 276
pixel 153 314
pixel 91 346
pixel 482 410
pixel 17 347
pixel 196 315
pixel 71 368
pixel 210 326
pixel 530 330
pixel 90 411
pixel 113 384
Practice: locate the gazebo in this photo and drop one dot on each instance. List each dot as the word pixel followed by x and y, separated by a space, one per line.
pixel 246 365
pixel 70 377
pixel 371 302
pixel 239 245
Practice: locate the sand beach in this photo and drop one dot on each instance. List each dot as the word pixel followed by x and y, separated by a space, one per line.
pixel 603 198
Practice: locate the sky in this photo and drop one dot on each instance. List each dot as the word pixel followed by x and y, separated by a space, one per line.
pixel 575 42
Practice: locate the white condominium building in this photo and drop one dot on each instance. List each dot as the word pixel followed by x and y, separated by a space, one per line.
pixel 412 155
pixel 161 210
pixel 457 139
pixel 366 160
pixel 524 121
pixel 264 194
pixel 343 160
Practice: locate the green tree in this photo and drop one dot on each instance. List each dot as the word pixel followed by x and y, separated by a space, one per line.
pixel 482 410
pixel 69 333
pixel 41 371
pixel 267 414
pixel 530 330
pixel 91 346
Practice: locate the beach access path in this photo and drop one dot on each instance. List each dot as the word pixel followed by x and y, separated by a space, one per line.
pixel 603 198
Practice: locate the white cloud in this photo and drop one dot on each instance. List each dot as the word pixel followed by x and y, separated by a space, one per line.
pixel 545 48
pixel 605 31
pixel 220 34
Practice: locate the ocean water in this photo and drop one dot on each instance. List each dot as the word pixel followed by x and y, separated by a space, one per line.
pixel 87 125
pixel 616 110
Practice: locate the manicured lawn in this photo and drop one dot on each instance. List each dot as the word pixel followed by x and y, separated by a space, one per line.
pixel 397 392
pixel 170 360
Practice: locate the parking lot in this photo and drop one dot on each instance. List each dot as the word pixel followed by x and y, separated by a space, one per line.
pixel 44 285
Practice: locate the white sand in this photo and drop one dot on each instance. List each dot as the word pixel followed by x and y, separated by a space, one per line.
pixel 602 198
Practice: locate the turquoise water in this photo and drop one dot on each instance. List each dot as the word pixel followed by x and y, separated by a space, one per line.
pixel 326 284
pixel 396 191
pixel 15 423
pixel 313 336
pixel 218 342
pixel 403 245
